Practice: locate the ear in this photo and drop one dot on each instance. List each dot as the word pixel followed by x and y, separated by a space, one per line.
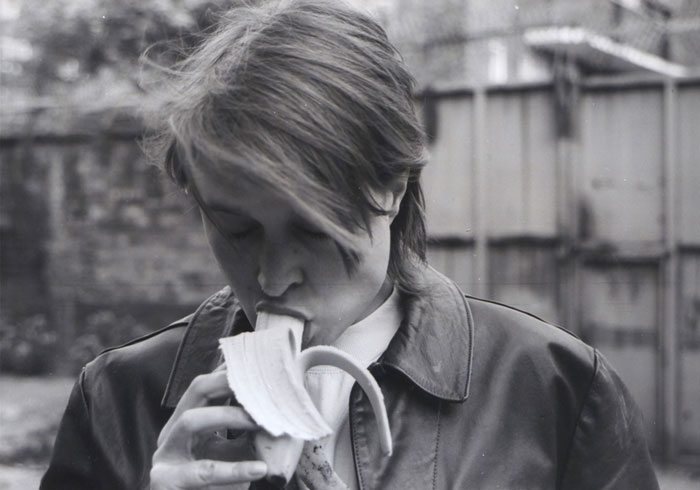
pixel 390 198
pixel 398 191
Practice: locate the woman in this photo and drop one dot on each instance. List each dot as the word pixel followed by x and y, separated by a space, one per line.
pixel 293 128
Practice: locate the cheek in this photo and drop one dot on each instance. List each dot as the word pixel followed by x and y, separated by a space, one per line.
pixel 370 271
pixel 380 244
pixel 378 260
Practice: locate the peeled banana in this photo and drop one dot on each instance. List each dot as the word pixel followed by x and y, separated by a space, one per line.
pixel 265 370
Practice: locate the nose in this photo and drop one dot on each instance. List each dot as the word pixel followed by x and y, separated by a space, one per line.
pixel 279 266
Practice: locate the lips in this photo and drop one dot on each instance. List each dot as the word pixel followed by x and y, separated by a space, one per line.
pixel 278 308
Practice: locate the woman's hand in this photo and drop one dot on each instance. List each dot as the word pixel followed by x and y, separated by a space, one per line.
pixel 190 453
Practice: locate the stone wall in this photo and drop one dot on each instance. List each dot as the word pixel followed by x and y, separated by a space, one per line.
pixel 88 226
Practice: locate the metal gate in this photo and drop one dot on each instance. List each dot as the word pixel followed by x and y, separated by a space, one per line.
pixel 597 229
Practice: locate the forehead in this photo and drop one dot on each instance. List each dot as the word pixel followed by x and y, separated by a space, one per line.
pixel 230 190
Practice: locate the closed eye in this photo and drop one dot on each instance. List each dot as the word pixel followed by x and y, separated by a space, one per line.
pixel 312 233
pixel 243 232
pixel 236 228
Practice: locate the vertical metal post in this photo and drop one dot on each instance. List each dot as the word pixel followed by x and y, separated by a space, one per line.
pixel 567 233
pixel 566 94
pixel 62 251
pixel 480 276
pixel 669 365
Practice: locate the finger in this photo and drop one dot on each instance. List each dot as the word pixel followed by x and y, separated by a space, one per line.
pixel 205 472
pixel 203 389
pixel 220 449
pixel 204 420
pixel 199 393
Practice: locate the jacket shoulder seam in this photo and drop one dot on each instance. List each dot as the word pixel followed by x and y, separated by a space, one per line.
pixel 572 437
pixel 524 312
pixel 179 323
pixel 83 391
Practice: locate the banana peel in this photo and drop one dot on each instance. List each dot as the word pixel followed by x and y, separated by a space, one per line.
pixel 265 370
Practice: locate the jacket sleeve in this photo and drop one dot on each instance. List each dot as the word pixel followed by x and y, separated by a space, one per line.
pixel 608 449
pixel 74 463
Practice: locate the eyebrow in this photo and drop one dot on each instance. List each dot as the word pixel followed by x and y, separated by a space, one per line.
pixel 216 208
pixel 219 207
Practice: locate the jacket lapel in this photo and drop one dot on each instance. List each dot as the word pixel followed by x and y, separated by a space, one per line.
pixel 199 348
pixel 434 346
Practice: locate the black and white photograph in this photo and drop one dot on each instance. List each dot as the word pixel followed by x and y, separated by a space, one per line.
pixel 350 244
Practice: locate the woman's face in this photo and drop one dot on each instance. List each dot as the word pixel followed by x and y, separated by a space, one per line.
pixel 276 261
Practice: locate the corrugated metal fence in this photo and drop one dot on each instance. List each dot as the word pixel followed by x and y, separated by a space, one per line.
pixel 596 228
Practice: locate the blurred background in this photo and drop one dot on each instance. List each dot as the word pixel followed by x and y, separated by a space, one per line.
pixel 564 179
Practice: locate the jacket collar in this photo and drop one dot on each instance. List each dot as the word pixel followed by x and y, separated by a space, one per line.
pixel 199 348
pixel 434 345
pixel 432 348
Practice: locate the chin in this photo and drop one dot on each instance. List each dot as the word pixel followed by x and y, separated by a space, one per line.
pixel 310 337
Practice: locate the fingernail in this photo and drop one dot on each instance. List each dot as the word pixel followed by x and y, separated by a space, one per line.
pixel 257 469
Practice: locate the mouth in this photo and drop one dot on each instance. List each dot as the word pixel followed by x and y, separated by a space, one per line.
pixel 280 309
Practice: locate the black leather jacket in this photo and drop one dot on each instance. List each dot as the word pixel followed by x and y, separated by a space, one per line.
pixel 479 396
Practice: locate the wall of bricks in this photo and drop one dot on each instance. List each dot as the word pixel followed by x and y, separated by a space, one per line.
pixel 88 225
